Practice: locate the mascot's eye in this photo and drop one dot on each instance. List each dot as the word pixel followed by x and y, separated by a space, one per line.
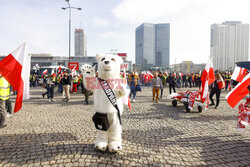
pixel 103 59
pixel 113 59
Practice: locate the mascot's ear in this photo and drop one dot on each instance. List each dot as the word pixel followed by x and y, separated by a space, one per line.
pixel 99 56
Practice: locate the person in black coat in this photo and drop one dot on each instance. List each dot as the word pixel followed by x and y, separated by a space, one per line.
pixel 184 77
pixel 66 82
pixel 172 82
pixel 215 88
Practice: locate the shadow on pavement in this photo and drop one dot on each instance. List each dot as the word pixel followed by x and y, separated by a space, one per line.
pixel 219 149
pixel 31 148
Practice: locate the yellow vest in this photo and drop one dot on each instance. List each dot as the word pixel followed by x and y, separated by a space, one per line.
pixel 75 80
pixel 4 89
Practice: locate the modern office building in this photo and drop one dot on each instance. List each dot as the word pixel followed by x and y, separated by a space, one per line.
pixel 229 44
pixel 80 43
pixel 152 45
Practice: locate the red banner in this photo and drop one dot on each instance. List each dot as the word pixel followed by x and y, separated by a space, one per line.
pixel 123 55
pixel 73 65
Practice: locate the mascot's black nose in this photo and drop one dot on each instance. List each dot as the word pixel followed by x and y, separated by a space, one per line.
pixel 106 62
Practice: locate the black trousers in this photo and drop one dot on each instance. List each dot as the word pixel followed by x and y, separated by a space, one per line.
pixel 171 87
pixel 161 93
pixel 227 83
pixel 217 92
pixel 8 106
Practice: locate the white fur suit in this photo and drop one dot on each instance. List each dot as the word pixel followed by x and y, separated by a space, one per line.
pixel 109 69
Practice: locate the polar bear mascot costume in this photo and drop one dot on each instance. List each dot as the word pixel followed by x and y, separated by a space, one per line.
pixel 88 72
pixel 109 70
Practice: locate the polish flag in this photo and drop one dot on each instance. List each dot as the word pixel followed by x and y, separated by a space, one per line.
pixel 126 99
pixel 221 84
pixel 239 92
pixel 239 73
pixel 59 69
pixel 207 79
pixel 44 72
pixel 166 73
pixel 53 73
pixel 15 68
pixel 149 76
pixel 74 70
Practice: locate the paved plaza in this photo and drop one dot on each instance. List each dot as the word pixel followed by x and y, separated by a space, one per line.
pixel 62 134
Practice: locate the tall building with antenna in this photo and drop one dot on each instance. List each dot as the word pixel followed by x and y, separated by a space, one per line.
pixel 80 43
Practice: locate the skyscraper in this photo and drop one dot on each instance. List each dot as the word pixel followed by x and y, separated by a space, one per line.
pixel 229 44
pixel 152 45
pixel 80 43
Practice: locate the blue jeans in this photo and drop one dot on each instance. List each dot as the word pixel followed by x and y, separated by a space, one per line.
pixel 132 90
pixel 60 88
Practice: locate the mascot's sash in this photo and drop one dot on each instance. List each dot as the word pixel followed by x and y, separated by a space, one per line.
pixel 110 95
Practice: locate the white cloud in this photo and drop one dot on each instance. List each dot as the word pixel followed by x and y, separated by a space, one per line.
pixel 108 35
pixel 100 22
pixel 135 11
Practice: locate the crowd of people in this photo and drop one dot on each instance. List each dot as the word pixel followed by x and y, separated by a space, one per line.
pixel 64 82
pixel 158 80
pixel 67 83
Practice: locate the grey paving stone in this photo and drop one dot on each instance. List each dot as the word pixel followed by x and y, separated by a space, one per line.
pixel 154 134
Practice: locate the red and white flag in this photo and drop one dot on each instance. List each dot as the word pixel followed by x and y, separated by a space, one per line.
pixel 149 76
pixel 74 70
pixel 239 92
pixel 207 79
pixel 53 73
pixel 221 84
pixel 59 69
pixel 239 73
pixel 44 72
pixel 15 68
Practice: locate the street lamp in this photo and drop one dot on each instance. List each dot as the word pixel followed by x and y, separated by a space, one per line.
pixel 70 7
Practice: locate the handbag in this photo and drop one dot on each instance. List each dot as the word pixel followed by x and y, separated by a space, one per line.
pixel 101 121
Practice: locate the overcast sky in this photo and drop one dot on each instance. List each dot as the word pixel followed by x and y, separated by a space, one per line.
pixel 110 24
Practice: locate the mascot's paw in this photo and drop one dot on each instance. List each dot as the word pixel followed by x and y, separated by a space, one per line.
pixel 115 146
pixel 101 145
